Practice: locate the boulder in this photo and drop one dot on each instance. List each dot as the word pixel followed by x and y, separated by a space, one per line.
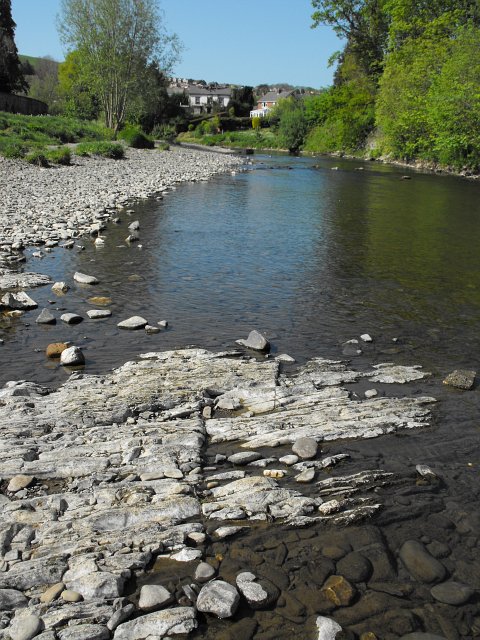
pixel 60 288
pixel 17 483
pixel 97 314
pixel 420 564
pixel 71 318
pixel 219 598
pixel 133 323
pixel 98 585
pixel 305 448
pixel 255 341
pixel 154 596
pixel 339 591
pixel 46 317
pixel 18 301
pixel 204 572
pixel 83 278
pixel 11 600
pixel 55 349
pixel 25 627
pixel 72 357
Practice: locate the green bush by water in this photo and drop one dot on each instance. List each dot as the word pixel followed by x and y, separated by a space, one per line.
pixel 111 150
pixel 136 138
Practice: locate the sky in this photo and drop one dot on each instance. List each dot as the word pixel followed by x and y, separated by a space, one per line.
pixel 227 41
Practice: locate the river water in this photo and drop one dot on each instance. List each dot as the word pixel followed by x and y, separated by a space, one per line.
pixel 312 252
pixel 309 255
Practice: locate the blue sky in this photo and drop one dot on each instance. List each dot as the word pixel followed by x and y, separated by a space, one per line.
pixel 265 41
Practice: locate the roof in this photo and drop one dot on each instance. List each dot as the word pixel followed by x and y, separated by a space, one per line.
pixel 273 96
pixel 193 90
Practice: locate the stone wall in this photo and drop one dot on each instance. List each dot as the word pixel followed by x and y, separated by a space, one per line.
pixel 22 104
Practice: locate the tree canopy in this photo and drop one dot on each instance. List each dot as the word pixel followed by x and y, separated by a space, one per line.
pixel 11 72
pixel 116 41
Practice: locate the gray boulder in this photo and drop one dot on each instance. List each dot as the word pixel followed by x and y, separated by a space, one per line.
pixel 97 314
pixel 25 627
pixel 72 357
pixel 83 278
pixel 71 318
pixel 133 323
pixel 218 597
pixel 255 341
pixel 11 599
pixel 154 596
pixel 305 448
pixel 18 301
pixel 46 317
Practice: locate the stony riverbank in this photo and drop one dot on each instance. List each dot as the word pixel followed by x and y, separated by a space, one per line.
pixel 53 205
pixel 112 482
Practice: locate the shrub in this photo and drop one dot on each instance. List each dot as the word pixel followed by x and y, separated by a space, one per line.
pixel 59 156
pixel 136 138
pixel 11 149
pixel 111 150
pixel 163 146
pixel 38 158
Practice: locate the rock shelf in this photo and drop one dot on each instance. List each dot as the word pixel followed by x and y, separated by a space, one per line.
pixel 106 476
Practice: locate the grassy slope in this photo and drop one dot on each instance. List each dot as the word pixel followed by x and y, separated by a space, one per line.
pixel 265 139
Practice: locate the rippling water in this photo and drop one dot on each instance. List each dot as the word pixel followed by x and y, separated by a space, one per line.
pixel 308 255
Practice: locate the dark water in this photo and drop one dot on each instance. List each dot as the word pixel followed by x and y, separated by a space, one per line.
pixel 312 257
pixel 308 255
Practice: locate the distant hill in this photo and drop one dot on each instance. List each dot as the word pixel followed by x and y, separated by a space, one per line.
pixel 35 60
pixel 43 82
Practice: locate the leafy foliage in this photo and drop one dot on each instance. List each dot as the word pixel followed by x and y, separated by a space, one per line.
pixel 111 150
pixel 136 138
pixel 11 72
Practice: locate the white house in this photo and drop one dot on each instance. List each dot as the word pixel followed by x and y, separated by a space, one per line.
pixel 202 99
pixel 266 102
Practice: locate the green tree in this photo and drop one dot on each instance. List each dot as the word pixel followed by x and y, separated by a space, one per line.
pixel 44 82
pixel 116 40
pixel 11 73
pixel 78 99
pixel 290 123
pixel 242 100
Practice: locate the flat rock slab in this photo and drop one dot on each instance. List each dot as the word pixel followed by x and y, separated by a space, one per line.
pixel 18 301
pixel 83 278
pixel 133 323
pixel 96 314
pixel 23 280
pixel 163 623
pixel 461 379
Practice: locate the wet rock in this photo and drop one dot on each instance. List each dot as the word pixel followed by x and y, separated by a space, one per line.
pixel 24 280
pixel 18 301
pixel 339 591
pixel 25 627
pixel 17 483
pixel 461 379
pixel 54 349
pixel 388 373
pixel 204 572
pixel 257 594
pixel 327 628
pixel 11 600
pixel 172 621
pixel 355 567
pixel 83 278
pixel 134 323
pixel 425 471
pixel 97 314
pixel 154 596
pixel 420 564
pixel 452 593
pixel 134 226
pixel 150 329
pixel 371 393
pixel 163 323
pixel 306 476
pixel 305 448
pixel 60 288
pixel 219 598
pixel 283 357
pixel 46 317
pixel 100 300
pixel 71 318
pixel 255 341
pixel 72 357
pixel 366 337
pixel 351 349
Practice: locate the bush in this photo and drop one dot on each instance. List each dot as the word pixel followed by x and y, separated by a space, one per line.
pixel 59 156
pixel 136 138
pixel 111 150
pixel 38 158
pixel 11 149
pixel 163 146
pixel 164 132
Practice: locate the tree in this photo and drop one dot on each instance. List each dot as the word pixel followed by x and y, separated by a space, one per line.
pixel 242 100
pixel 11 74
pixel 363 23
pixel 77 98
pixel 116 40
pixel 44 82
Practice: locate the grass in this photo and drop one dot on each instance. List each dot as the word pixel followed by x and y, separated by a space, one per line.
pixel 264 139
pixel 22 136
pixel 135 137
pixel 102 148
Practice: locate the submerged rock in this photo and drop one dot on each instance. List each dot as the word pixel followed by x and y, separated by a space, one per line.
pixel 420 564
pixel 83 278
pixel 461 379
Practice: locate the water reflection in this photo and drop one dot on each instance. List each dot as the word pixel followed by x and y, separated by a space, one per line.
pixel 309 255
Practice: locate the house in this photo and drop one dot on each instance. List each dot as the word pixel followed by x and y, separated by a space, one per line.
pixel 266 102
pixel 201 99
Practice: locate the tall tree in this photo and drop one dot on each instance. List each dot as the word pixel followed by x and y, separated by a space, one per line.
pixel 116 40
pixel 11 74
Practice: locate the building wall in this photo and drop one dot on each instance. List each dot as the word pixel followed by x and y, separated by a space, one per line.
pixel 21 104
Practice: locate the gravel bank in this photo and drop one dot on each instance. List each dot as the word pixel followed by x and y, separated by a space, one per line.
pixel 49 205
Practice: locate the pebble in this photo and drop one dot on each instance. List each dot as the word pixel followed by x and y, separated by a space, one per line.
pixel 371 393
pixel 461 379
pixel 204 572
pixel 17 483
pixel 83 278
pixel 255 341
pixel 219 598
pixel 24 627
pixel 305 448
pixel 72 357
pixel 71 596
pixel 71 318
pixel 274 473
pixel 46 317
pixel 55 349
pixel 133 323
pixel 154 596
pixel 452 593
pixel 96 314
pixel 60 288
pixel 366 337
pixel 420 564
